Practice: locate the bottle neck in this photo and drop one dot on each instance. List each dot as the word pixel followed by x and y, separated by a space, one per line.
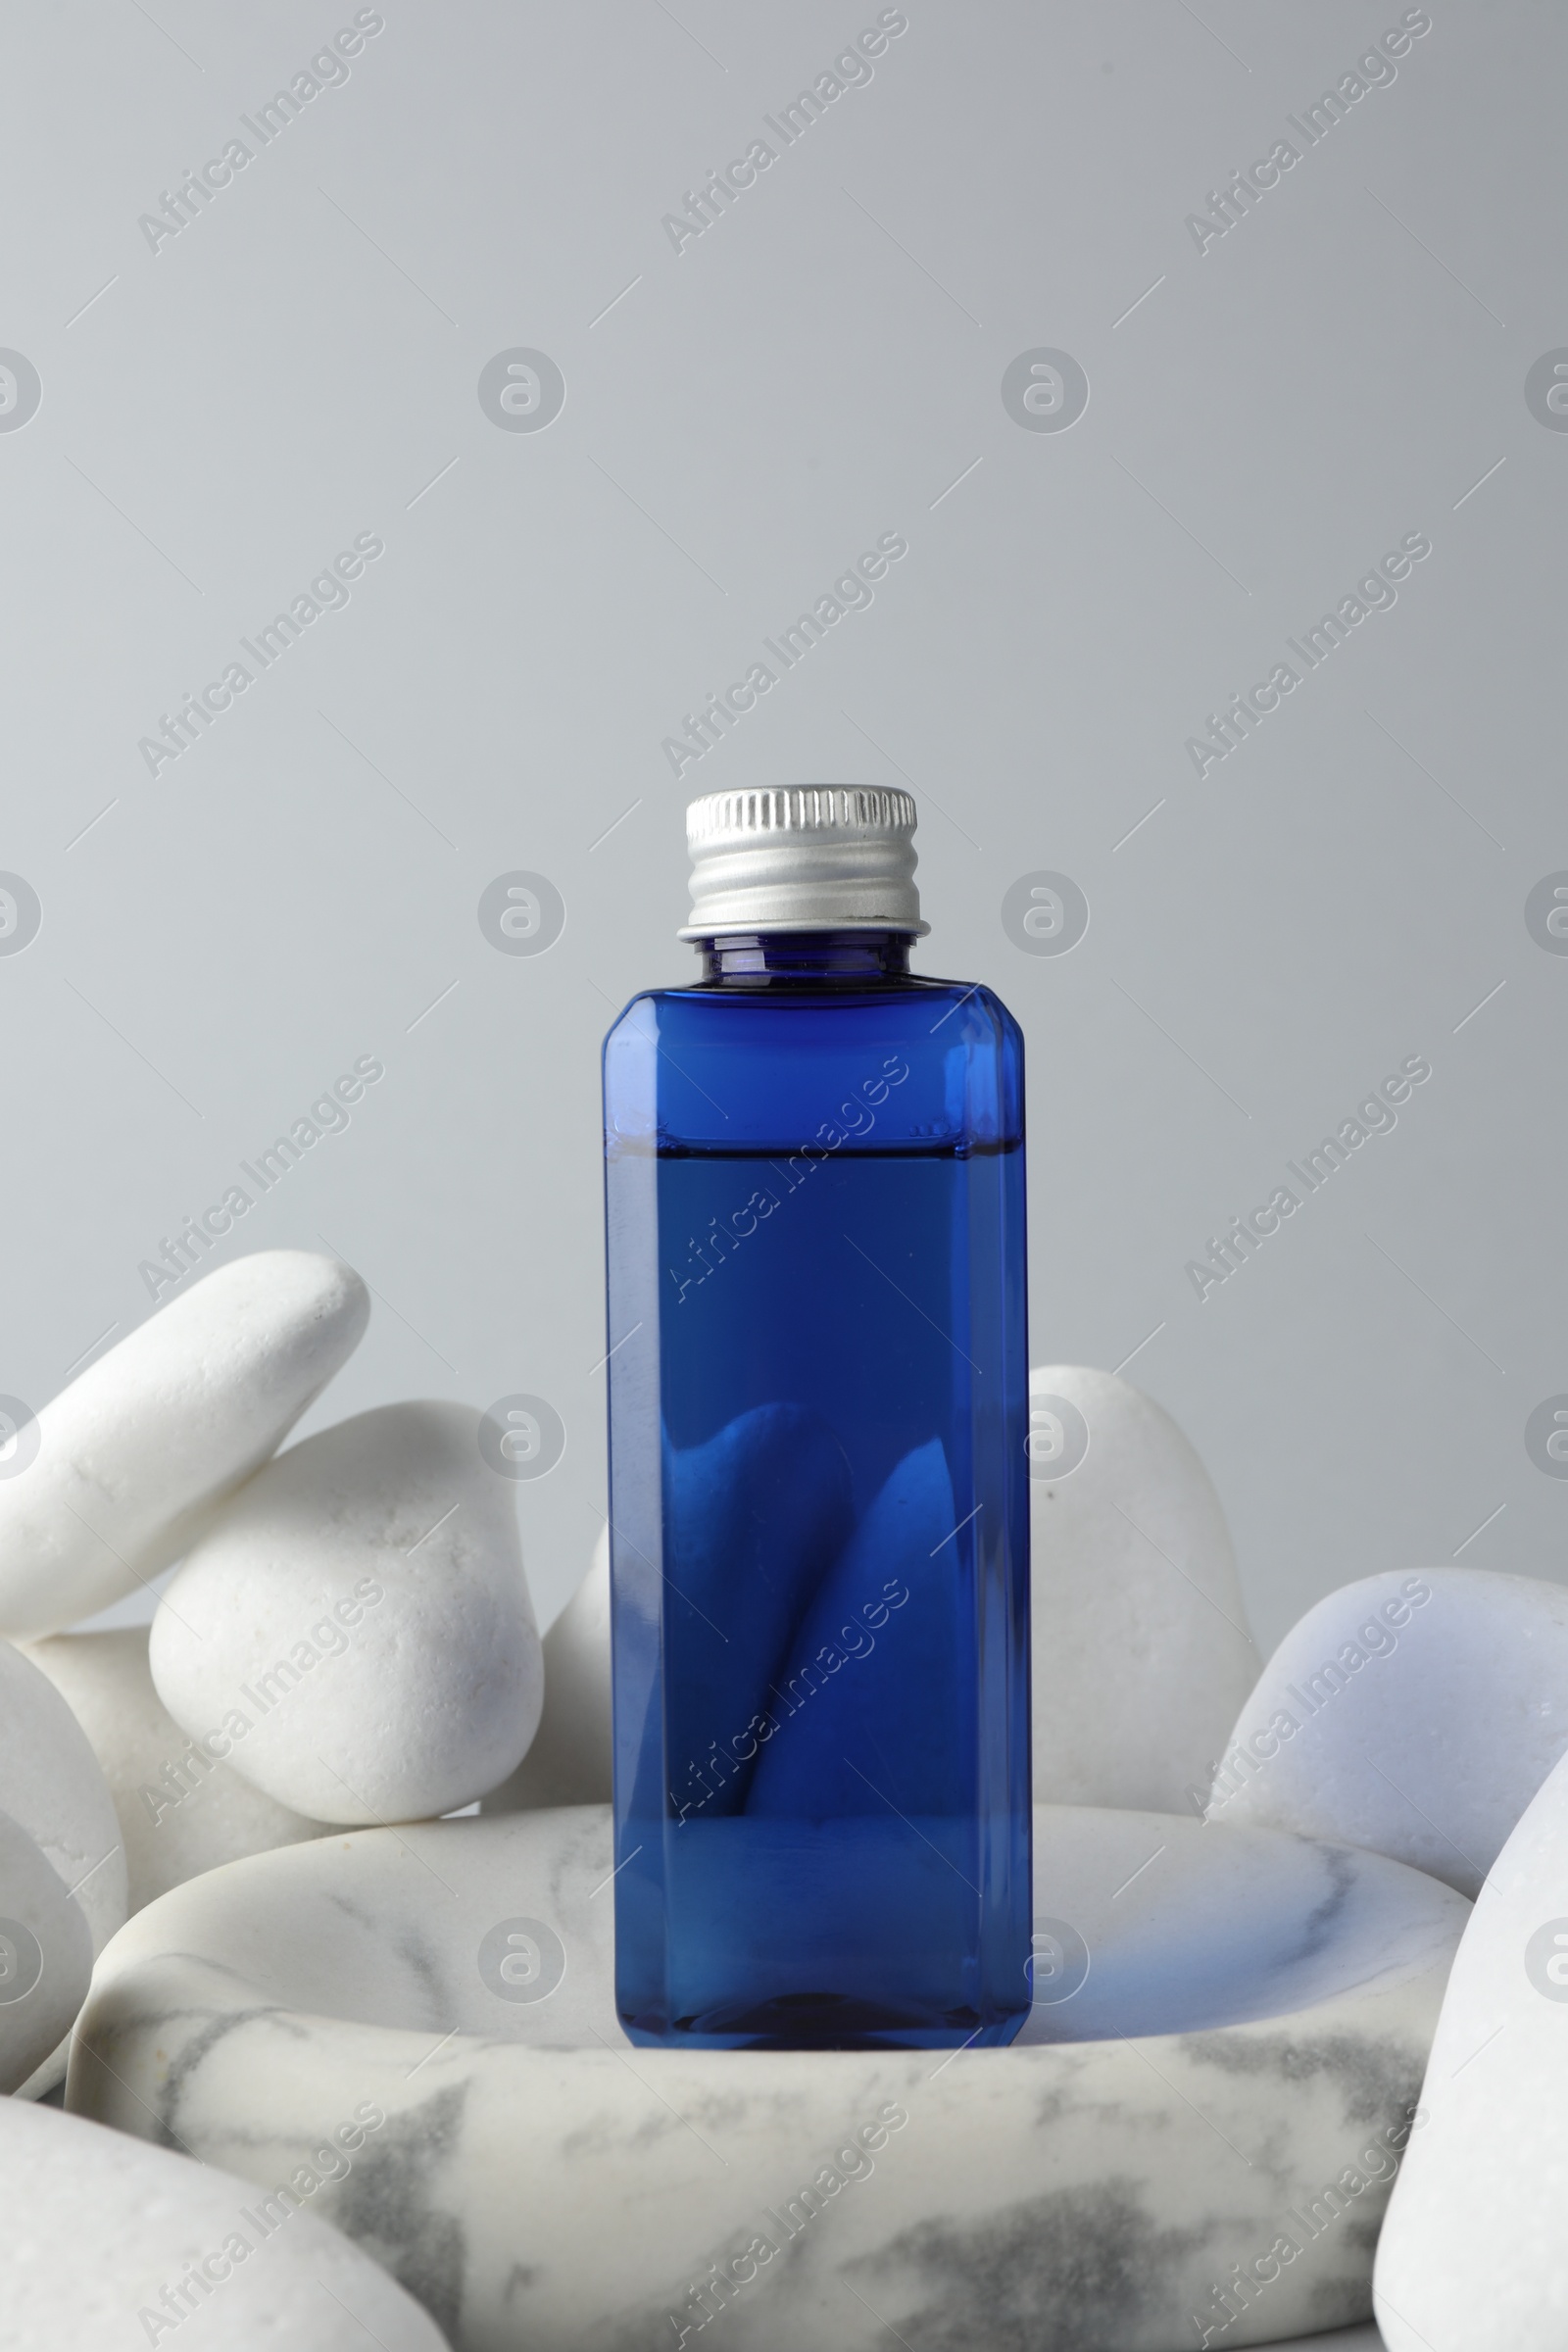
pixel 804 958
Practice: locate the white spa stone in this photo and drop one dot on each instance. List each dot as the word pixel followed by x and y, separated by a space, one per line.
pixel 1227 2024
pixel 569 1761
pixel 1475 2255
pixel 136 1453
pixel 179 1810
pixel 1415 1713
pixel 358 1622
pixel 45 1958
pixel 53 1784
pixel 1140 1648
pixel 100 2228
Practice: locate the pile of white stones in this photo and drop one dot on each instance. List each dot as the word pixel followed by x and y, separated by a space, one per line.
pixel 349 1640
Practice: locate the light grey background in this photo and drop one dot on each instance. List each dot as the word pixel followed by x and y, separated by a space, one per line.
pixel 822 366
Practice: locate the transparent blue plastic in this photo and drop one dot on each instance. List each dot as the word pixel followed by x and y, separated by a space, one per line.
pixel 819 1519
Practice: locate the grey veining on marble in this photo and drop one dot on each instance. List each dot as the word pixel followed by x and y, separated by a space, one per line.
pixel 1249 2032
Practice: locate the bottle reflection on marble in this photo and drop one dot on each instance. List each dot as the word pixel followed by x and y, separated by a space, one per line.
pixel 820 1508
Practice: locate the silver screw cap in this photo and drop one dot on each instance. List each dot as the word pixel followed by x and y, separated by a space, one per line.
pixel 803 858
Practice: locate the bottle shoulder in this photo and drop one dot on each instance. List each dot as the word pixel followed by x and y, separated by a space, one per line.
pixel 941 1060
pixel 914 1004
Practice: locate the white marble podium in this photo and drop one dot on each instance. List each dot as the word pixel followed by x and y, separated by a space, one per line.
pixel 1197 2130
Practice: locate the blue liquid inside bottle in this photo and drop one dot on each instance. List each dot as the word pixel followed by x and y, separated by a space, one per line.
pixel 819 1393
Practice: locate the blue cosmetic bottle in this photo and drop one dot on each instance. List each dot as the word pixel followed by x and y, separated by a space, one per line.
pixel 818 1414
